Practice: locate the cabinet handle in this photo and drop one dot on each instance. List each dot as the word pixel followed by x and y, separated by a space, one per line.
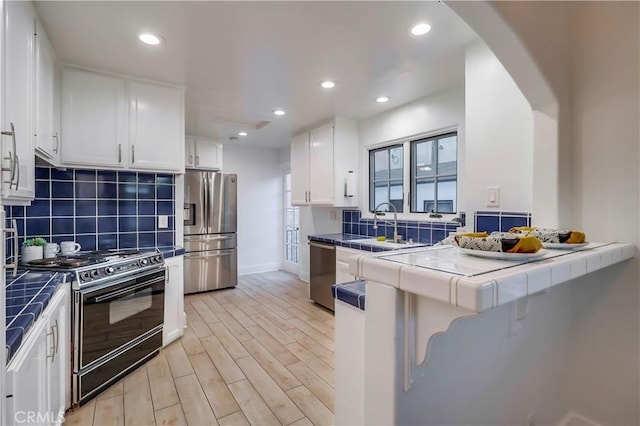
pixel 17 170
pixel 11 158
pixel 133 153
pixel 191 159
pixel 167 269
pixel 14 230
pixel 53 343
pixel 119 153
pixel 57 336
pixel 55 136
pixel 309 196
pixel 197 160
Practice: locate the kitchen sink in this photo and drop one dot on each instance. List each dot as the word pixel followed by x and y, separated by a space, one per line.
pixel 387 243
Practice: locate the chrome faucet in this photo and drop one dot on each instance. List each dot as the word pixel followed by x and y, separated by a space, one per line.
pixel 396 237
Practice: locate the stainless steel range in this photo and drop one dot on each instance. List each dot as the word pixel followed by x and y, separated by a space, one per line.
pixel 117 317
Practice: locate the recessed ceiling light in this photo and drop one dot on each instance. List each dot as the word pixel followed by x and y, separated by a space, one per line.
pixel 328 84
pixel 382 99
pixel 420 29
pixel 242 134
pixel 278 112
pixel 149 39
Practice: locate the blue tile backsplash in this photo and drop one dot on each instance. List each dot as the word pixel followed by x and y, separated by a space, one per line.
pixel 427 232
pixel 98 209
pixel 491 221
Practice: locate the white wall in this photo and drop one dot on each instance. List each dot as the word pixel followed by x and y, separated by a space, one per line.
pixel 431 114
pixel 260 224
pixel 589 54
pixel 499 135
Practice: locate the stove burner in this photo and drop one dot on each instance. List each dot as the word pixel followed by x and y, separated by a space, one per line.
pixel 114 252
pixel 49 261
pixel 74 263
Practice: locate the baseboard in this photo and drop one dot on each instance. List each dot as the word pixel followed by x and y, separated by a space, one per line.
pixel 304 276
pixel 575 419
pixel 256 269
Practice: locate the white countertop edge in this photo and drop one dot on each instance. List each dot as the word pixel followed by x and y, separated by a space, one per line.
pixel 492 289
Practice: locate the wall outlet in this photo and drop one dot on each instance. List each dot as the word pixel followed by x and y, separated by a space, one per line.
pixel 493 196
pixel 163 222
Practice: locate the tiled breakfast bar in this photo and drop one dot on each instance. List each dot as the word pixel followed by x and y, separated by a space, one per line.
pixel 436 316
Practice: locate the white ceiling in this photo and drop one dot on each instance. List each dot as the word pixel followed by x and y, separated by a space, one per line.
pixel 241 60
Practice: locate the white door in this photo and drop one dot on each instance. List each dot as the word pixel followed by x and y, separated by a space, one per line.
pixel 291 230
pixel 208 155
pixel 94 119
pixel 45 140
pixel 300 169
pixel 58 363
pixel 28 377
pixel 321 165
pixel 18 100
pixel 156 127
pixel 173 300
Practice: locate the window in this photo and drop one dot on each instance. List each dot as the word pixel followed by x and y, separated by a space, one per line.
pixel 432 178
pixel 291 225
pixel 386 178
pixel 434 167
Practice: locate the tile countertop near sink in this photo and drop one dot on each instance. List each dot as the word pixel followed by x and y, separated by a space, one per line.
pixel 27 295
pixel 364 243
pixel 443 273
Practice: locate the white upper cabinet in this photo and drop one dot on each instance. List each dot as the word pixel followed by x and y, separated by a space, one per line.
pixel 156 133
pixel 321 159
pixel 203 154
pixel 47 144
pixel 300 169
pixel 18 179
pixel 94 119
pixel 116 122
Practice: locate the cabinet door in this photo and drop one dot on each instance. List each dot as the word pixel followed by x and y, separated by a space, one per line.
pixel 300 169
pixel 321 165
pixel 27 376
pixel 208 155
pixel 189 152
pixel 58 363
pixel 94 119
pixel 18 100
pixel 45 140
pixel 156 127
pixel 173 300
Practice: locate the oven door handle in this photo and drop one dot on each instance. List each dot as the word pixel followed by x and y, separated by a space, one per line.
pixel 119 293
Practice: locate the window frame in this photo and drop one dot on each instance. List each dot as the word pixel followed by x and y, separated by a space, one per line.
pixel 406 143
pixel 370 154
pixel 436 177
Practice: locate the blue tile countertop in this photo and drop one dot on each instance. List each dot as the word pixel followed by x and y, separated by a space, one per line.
pixel 345 240
pixel 352 293
pixel 28 294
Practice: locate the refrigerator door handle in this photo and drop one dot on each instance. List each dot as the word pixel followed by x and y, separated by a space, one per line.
pixel 208 255
pixel 205 201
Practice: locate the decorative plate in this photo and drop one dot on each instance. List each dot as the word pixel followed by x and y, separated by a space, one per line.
pixel 563 246
pixel 501 255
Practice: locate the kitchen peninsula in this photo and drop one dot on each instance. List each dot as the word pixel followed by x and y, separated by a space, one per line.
pixel 467 340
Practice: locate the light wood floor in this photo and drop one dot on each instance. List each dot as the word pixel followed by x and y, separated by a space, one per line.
pixel 259 354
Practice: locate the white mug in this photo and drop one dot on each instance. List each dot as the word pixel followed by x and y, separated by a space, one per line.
pixel 51 249
pixel 69 247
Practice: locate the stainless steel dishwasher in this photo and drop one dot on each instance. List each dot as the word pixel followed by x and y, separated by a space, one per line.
pixel 323 273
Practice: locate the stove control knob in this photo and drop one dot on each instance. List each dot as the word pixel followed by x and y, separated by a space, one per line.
pixel 109 269
pixel 95 273
pixel 144 262
pixel 84 276
pixel 157 258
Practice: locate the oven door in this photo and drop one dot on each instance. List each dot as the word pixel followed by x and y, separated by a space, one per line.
pixel 113 315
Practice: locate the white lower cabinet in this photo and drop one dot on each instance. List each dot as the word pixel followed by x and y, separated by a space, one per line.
pixel 343 254
pixel 174 318
pixel 38 377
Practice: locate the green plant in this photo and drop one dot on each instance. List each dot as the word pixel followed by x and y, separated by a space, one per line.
pixel 34 242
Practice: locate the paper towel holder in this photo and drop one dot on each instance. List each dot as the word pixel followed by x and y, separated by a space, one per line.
pixel 350 184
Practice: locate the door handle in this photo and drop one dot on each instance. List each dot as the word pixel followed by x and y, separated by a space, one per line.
pixel 190 158
pixel 53 344
pixel 17 170
pixel 188 256
pixel 55 136
pixel 56 337
pixel 11 158
pixel 197 160
pixel 14 230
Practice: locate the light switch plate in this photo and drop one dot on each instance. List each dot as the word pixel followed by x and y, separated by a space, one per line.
pixel 163 222
pixel 493 196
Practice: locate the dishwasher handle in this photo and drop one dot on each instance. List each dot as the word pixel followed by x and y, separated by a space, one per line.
pixel 322 246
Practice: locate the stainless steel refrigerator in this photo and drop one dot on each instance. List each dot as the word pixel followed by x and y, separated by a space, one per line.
pixel 210 225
